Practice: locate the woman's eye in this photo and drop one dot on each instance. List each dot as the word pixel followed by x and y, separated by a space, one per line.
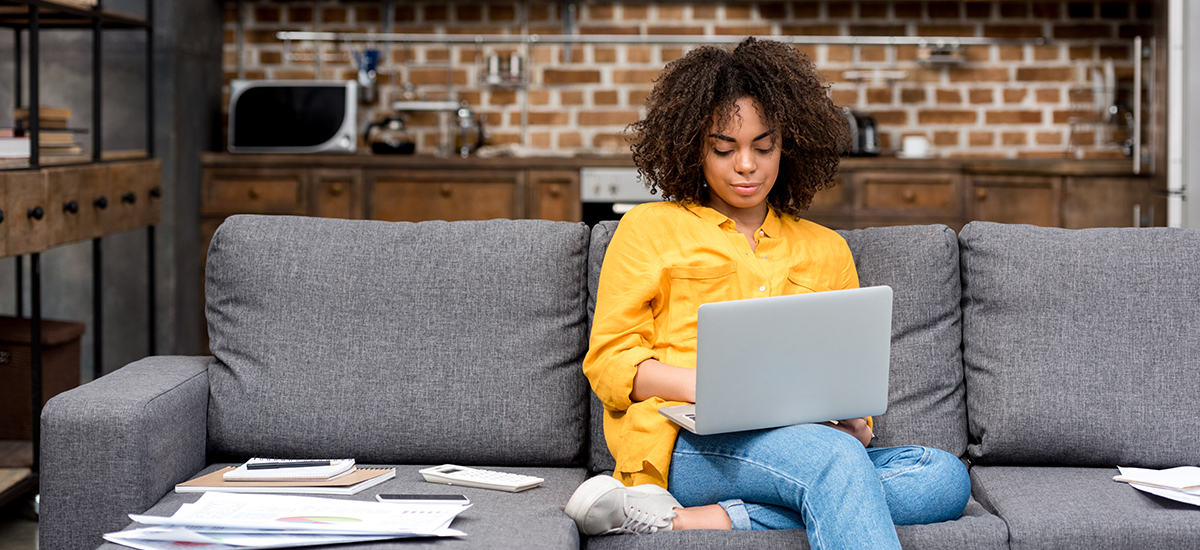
pixel 722 153
pixel 768 150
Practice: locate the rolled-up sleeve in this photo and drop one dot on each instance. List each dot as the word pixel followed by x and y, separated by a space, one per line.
pixel 623 327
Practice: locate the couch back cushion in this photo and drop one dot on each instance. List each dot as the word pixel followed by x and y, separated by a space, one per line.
pixel 925 384
pixel 925 394
pixel 1082 347
pixel 599 459
pixel 398 342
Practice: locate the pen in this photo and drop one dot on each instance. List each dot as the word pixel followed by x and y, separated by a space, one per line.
pixel 296 464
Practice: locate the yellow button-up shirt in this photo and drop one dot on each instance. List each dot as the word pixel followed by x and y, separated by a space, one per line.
pixel 664 260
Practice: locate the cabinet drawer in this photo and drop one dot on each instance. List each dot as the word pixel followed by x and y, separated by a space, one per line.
pixel 125 196
pixel 421 195
pixel 25 214
pixel 255 192
pixel 73 209
pixel 910 193
pixel 449 201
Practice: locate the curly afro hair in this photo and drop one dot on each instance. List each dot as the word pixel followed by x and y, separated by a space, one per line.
pixel 705 85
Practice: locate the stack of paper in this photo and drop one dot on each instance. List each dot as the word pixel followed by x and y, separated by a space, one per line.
pixel 1181 484
pixel 224 521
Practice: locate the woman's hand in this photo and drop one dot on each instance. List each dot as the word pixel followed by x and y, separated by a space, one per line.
pixel 657 379
pixel 856 427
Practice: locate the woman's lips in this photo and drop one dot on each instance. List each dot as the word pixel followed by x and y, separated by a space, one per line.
pixel 745 188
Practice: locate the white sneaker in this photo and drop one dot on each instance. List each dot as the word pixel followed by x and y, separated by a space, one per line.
pixel 603 506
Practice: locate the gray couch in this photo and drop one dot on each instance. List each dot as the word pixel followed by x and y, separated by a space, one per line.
pixel 1044 357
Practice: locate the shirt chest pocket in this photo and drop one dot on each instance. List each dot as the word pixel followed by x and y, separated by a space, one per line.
pixel 801 282
pixel 695 285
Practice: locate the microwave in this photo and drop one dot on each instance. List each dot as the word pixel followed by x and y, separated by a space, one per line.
pixel 268 116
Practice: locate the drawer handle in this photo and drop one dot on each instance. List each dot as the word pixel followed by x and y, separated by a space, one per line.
pixel 101 203
pixel 909 196
pixel 156 193
pixel 337 189
pixel 555 191
pixel 446 190
pixel 981 194
pixel 35 213
pixel 254 194
pixel 71 206
pixel 129 197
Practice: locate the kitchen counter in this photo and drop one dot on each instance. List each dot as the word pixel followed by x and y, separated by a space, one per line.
pixel 1044 167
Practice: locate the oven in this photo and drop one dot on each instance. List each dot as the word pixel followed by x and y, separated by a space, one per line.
pixel 608 193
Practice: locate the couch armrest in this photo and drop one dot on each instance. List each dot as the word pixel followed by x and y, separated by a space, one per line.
pixel 118 444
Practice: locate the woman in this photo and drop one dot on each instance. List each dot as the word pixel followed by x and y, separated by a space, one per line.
pixel 738 142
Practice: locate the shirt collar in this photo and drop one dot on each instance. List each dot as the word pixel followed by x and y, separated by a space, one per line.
pixel 770 226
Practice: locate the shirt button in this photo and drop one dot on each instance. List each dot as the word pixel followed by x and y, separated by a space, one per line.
pixel 764 256
pixel 762 289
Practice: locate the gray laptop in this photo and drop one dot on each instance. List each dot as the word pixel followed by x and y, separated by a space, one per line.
pixel 769 362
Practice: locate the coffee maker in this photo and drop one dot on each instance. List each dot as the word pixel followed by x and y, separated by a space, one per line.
pixel 864 133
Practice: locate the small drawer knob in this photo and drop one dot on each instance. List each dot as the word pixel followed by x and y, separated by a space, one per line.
pixel 156 193
pixel 337 189
pixel 1 215
pixel 981 194
pixel 71 207
pixel 35 213
pixel 909 196
pixel 445 190
pixel 101 203
pixel 129 198
pixel 555 191
pixel 254 193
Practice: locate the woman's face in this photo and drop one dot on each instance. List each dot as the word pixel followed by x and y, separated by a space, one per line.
pixel 741 162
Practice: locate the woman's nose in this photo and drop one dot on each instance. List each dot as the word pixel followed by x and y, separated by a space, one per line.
pixel 744 162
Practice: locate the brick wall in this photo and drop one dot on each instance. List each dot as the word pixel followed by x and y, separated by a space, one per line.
pixel 1002 101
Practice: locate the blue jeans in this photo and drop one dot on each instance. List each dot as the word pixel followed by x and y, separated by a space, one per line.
pixel 819 478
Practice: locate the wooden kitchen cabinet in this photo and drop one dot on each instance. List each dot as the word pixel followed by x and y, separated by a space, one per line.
pixel 1030 200
pixel 72 212
pixel 1111 202
pixel 554 195
pixel 832 207
pixel 25 216
pixel 337 193
pixel 254 191
pixel 907 197
pixel 421 195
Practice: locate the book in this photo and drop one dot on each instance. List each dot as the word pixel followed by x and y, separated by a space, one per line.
pixel 349 484
pixel 60 113
pixel 248 471
pixel 57 150
pixel 55 138
pixel 14 148
pixel 1183 478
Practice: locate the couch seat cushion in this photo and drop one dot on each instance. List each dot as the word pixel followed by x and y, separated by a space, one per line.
pixel 398 342
pixel 976 529
pixel 1064 508
pixel 530 519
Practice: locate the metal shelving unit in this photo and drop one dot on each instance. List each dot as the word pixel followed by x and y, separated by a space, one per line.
pixel 31 17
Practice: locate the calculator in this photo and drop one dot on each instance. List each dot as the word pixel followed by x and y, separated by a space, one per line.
pixel 450 474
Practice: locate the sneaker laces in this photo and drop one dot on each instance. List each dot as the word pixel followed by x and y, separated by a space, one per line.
pixel 641 522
